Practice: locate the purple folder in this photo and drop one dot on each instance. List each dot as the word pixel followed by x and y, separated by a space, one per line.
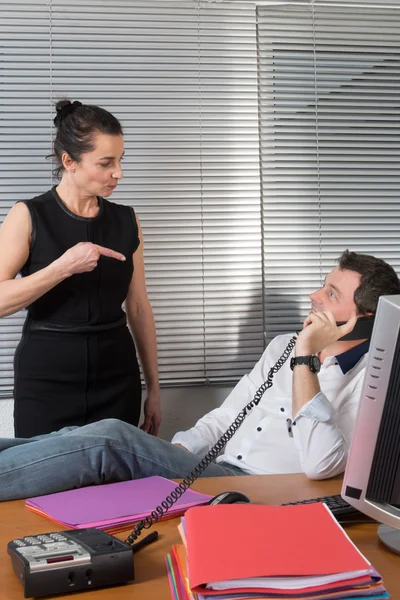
pixel 108 505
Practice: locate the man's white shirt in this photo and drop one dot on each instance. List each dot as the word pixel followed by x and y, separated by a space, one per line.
pixel 271 439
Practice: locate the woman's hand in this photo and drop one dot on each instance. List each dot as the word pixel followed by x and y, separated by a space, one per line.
pixel 152 414
pixel 84 257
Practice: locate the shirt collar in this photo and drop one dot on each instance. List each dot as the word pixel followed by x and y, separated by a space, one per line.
pixel 347 360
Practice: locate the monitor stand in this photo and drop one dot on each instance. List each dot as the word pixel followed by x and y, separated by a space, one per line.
pixel 390 537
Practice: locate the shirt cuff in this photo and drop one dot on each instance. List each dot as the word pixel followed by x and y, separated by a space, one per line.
pixel 318 408
pixel 191 439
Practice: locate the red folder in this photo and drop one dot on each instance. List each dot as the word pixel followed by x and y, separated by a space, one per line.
pixel 365 583
pixel 243 541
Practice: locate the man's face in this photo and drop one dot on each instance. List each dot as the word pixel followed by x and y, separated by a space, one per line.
pixel 337 294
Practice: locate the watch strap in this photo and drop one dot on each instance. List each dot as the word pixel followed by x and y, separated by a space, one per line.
pixel 305 360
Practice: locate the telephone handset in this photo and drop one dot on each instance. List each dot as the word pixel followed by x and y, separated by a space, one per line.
pixel 213 453
pixel 362 329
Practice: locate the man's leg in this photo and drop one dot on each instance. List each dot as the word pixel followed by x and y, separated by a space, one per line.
pixel 102 452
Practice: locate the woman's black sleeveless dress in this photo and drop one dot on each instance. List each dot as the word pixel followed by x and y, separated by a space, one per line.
pixel 76 362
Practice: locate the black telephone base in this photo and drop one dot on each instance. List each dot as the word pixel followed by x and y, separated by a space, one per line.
pixel 70 561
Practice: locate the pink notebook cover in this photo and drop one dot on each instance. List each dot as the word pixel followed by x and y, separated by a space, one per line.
pixel 113 503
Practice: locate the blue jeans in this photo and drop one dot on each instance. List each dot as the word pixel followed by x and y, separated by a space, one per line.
pixel 103 452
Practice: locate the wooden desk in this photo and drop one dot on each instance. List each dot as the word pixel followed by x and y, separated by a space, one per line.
pixel 151 579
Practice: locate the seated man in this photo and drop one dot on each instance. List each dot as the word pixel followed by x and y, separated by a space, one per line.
pixel 304 422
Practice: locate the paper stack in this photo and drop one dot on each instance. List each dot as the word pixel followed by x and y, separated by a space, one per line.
pixel 113 507
pixel 243 551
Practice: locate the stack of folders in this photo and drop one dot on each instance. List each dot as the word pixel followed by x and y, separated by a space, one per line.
pixel 112 507
pixel 247 551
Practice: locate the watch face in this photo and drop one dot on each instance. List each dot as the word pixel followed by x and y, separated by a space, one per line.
pixel 315 364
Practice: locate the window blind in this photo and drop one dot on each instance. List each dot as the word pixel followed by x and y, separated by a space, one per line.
pixel 182 78
pixel 330 144
pixel 25 130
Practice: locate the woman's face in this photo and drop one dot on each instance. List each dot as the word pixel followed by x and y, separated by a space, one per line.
pixel 98 171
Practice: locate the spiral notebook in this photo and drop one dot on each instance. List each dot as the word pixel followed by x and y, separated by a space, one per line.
pixel 114 506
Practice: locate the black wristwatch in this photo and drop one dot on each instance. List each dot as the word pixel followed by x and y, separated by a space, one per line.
pixel 312 361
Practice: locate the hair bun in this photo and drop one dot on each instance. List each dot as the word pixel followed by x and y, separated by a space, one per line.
pixel 65 108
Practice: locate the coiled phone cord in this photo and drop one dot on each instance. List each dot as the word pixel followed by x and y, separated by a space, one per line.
pixel 212 454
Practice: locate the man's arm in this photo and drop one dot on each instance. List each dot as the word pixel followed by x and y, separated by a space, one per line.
pixel 207 431
pixel 305 386
pixel 319 438
pixel 323 436
pixel 319 332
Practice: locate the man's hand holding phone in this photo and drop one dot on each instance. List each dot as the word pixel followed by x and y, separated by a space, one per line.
pixel 320 331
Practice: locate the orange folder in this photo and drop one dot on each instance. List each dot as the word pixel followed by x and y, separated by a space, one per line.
pixel 244 541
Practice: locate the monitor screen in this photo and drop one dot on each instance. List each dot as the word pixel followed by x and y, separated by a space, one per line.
pixel 372 477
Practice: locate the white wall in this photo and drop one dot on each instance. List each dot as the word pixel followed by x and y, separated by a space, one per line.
pixel 6 418
pixel 181 407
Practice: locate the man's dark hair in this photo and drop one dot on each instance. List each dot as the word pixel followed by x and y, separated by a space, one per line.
pixel 377 279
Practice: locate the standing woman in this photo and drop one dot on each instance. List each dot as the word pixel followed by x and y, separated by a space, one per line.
pixel 81 258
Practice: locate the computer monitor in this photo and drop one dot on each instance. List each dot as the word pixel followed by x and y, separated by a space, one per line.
pixel 372 477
